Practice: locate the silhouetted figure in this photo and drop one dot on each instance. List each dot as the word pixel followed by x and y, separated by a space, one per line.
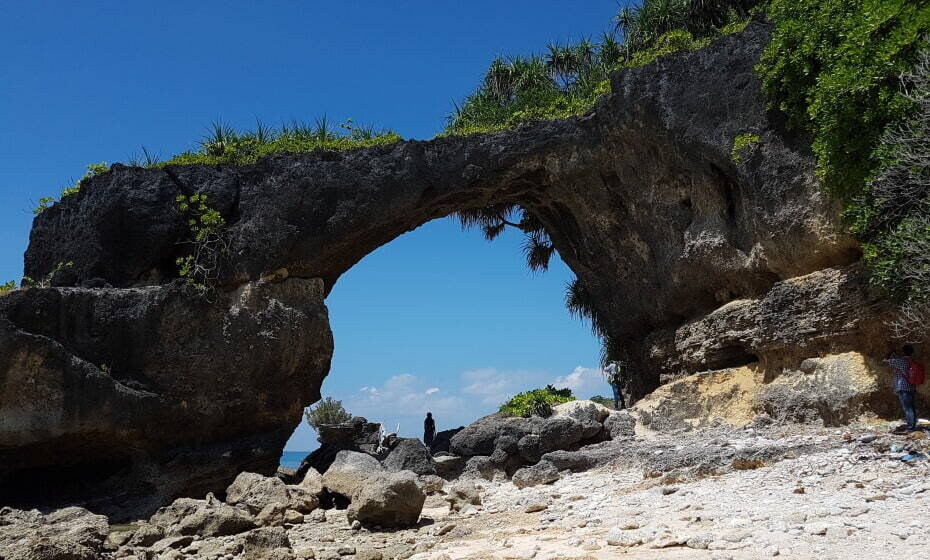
pixel 429 429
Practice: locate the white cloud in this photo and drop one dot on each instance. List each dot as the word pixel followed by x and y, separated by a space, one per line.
pixel 404 394
pixel 494 386
pixel 584 382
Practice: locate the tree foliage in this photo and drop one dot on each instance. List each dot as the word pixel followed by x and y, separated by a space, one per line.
pixel 833 66
pixel 327 411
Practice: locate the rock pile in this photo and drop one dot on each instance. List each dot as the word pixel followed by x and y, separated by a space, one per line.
pixel 497 447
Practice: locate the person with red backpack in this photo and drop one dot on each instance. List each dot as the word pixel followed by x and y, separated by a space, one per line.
pixel 908 373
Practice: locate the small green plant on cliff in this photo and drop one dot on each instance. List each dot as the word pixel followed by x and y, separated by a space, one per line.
pixel 46 281
pixel 92 170
pixel 538 402
pixel 7 288
pixel 224 144
pixel 327 411
pixel 209 241
pixel 741 144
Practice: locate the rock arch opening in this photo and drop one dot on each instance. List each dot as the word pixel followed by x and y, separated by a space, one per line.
pixel 441 320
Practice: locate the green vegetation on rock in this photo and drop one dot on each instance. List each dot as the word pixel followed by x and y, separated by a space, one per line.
pixel 92 170
pixel 201 267
pixel 7 288
pixel 835 67
pixel 538 402
pixel 741 143
pixel 226 145
pixel 567 79
pixel 327 411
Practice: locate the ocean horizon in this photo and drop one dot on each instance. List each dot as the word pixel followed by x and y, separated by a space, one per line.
pixel 292 459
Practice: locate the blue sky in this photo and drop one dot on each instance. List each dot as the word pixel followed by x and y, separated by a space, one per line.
pixel 437 319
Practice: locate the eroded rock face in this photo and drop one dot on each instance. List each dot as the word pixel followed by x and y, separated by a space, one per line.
pixel 143 395
pixel 67 533
pixel 641 198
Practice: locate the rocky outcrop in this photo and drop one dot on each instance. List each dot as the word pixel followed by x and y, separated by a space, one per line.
pixel 145 392
pixel 358 434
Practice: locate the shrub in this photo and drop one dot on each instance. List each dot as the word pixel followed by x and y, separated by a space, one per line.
pixel 537 402
pixel 327 411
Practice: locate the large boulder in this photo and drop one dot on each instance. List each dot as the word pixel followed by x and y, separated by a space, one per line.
pixel 349 472
pixel 542 472
pixel 51 548
pixel 449 466
pixel 312 482
pixel 254 492
pixel 206 518
pixel 409 454
pixel 560 432
pixel 388 500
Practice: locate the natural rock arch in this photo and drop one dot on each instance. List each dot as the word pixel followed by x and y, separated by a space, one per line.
pixel 144 391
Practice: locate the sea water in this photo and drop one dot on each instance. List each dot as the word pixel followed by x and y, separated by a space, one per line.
pixel 292 459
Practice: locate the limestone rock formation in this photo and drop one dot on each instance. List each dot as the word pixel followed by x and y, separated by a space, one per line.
pixel 146 394
pixel 145 391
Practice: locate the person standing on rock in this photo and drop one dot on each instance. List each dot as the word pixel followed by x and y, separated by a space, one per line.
pixel 429 429
pixel 907 375
pixel 616 376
